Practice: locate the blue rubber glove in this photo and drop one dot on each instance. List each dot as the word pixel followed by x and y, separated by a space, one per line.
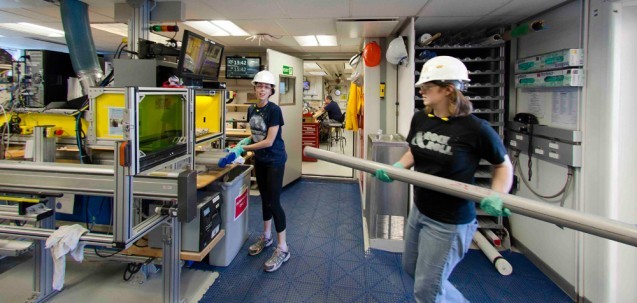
pixel 245 141
pixel 381 174
pixel 237 150
pixel 493 205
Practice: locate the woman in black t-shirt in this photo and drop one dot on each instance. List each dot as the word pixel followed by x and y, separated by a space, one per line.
pixel 266 120
pixel 445 140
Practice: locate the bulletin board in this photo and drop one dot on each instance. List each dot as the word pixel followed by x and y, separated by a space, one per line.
pixel 553 106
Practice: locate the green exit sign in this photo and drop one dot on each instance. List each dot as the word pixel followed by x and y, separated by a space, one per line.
pixel 287 70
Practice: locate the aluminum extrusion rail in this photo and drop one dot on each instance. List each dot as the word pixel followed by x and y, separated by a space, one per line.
pixel 29 177
pixel 42 234
pixel 588 223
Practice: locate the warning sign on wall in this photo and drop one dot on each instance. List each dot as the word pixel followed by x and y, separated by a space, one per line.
pixel 241 203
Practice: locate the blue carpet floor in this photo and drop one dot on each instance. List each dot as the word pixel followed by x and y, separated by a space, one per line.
pixel 328 263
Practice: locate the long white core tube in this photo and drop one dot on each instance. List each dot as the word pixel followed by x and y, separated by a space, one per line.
pixel 591 224
pixel 503 266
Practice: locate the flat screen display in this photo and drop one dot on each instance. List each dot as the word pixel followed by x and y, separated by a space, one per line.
pixel 199 57
pixel 242 67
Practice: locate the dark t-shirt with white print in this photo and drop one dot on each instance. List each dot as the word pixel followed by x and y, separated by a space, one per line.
pixel 261 119
pixel 451 149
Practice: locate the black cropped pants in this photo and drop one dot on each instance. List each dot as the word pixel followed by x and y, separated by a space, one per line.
pixel 270 182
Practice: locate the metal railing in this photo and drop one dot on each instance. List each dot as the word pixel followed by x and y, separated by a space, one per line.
pixel 588 223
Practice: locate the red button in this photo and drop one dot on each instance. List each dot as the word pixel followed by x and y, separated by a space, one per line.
pixel 59 132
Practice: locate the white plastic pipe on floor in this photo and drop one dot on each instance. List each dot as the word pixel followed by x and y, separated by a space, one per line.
pixel 501 265
pixel 591 224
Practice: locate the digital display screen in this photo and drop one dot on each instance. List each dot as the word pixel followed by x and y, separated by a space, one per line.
pixel 242 67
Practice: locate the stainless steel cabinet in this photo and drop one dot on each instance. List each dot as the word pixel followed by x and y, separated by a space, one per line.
pixel 386 204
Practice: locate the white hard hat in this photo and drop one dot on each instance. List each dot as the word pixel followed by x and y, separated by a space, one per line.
pixel 396 51
pixel 263 76
pixel 443 68
pixel 423 39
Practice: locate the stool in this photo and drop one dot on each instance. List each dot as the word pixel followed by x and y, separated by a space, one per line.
pixel 335 136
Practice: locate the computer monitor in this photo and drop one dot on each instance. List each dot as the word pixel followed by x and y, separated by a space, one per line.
pixel 199 57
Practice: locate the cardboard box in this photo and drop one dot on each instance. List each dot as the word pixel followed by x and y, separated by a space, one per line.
pixel 553 60
pixel 557 78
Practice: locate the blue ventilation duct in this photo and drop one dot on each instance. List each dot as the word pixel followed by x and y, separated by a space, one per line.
pixel 77 32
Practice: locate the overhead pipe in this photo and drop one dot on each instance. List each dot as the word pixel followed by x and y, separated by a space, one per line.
pixel 77 32
pixel 588 223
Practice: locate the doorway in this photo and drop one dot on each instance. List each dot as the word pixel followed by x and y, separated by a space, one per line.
pixel 323 79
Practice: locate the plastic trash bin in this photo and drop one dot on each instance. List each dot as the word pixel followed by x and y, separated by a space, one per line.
pixel 234 187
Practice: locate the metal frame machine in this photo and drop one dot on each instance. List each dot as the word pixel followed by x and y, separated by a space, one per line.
pixel 150 133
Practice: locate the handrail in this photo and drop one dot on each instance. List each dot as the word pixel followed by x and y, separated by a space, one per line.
pixel 588 223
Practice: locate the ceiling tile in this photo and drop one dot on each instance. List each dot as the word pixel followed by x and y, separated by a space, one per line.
pixel 245 9
pixel 23 3
pixel 352 28
pixel 261 26
pixel 461 8
pixel 8 17
pixel 39 14
pixel 441 24
pixel 302 27
pixel 385 8
pixel 314 9
pixel 200 10
pixel 349 41
pixel 527 7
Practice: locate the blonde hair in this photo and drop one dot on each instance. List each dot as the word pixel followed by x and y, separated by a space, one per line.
pixel 459 105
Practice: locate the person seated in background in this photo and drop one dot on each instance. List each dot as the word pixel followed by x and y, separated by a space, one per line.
pixel 334 113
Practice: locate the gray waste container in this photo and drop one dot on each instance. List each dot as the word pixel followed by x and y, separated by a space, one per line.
pixel 234 187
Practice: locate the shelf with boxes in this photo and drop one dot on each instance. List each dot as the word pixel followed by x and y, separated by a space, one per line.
pixel 548 90
pixel 555 69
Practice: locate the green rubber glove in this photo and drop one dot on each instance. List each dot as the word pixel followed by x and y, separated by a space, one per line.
pixel 381 174
pixel 237 150
pixel 493 205
pixel 245 141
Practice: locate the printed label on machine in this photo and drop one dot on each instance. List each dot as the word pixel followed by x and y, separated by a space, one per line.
pixel 115 120
pixel 241 203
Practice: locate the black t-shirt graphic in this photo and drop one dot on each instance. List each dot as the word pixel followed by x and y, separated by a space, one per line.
pixel 261 119
pixel 451 149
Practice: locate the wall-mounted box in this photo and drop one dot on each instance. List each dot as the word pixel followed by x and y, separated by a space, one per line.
pixel 557 78
pixel 559 152
pixel 553 60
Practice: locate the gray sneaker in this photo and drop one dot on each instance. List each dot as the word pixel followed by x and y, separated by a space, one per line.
pixel 258 246
pixel 277 259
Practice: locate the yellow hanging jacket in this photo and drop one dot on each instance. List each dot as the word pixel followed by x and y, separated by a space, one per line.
pixel 355 103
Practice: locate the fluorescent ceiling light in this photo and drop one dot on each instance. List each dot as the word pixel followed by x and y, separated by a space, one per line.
pixel 321 73
pixel 326 40
pixel 207 28
pixel 33 29
pixel 121 29
pixel 318 40
pixel 306 40
pixel 230 27
pixel 311 66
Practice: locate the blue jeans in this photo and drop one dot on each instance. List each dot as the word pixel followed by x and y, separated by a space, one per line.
pixel 432 251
